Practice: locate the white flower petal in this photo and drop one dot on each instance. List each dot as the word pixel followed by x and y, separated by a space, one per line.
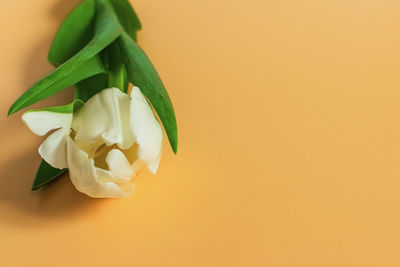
pixel 41 122
pixel 54 149
pixel 111 190
pixel 84 176
pixel 119 164
pixel 127 136
pixel 106 176
pixel 81 168
pixel 146 130
pixel 105 115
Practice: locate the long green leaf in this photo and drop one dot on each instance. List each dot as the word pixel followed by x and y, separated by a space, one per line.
pixel 33 95
pixel 127 17
pixel 142 73
pixel 46 174
pixel 74 33
pixel 107 29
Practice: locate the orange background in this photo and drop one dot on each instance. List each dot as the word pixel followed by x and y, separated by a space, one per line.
pixel 289 144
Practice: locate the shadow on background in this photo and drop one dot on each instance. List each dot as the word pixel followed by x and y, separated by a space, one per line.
pixel 58 199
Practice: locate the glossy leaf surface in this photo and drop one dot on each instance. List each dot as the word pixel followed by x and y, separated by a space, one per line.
pixel 74 33
pixel 107 29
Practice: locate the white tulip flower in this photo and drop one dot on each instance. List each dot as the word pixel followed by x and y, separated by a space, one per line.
pixel 104 143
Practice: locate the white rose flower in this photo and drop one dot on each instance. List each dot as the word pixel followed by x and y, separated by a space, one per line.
pixel 104 143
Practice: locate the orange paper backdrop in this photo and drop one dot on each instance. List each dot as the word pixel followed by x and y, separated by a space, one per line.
pixel 289 140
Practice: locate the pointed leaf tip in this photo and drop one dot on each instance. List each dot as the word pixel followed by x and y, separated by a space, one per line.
pixel 45 174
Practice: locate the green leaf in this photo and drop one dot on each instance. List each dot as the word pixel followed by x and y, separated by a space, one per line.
pixel 127 17
pixel 74 33
pixel 39 92
pixel 142 73
pixel 46 174
pixel 107 29
pixel 87 88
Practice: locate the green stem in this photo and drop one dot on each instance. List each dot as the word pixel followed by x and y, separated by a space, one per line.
pixel 117 75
